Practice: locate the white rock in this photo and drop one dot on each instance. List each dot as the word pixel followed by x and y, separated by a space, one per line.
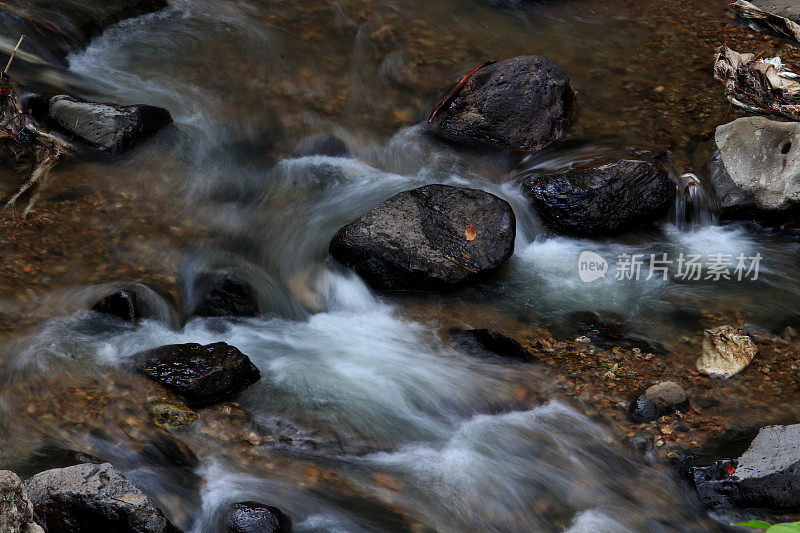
pixel 726 352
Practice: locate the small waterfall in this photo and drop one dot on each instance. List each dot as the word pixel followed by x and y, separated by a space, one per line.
pixel 694 208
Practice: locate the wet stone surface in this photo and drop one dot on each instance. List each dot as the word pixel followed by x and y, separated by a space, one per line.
pixel 432 238
pixel 606 200
pixel 202 374
pixel 93 498
pixel 523 103
pixel 254 517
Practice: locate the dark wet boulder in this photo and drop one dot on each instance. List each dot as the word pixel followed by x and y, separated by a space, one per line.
pixel 604 200
pixel 35 105
pixel 254 517
pixel 92 497
pixel 522 103
pixel 765 476
pixel 16 510
pixel 224 294
pixel 202 374
pixel 658 400
pixel 755 171
pixel 132 302
pixel 109 127
pixel 490 342
pixel 436 237
pixel 122 304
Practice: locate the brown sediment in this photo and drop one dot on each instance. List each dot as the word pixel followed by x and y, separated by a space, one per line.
pixel 601 380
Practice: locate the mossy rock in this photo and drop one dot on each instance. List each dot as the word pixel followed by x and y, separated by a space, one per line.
pixel 170 414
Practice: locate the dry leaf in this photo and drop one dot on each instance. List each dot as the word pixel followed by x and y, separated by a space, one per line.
pixel 470 233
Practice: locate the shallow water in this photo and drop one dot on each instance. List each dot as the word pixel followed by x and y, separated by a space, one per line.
pixel 437 437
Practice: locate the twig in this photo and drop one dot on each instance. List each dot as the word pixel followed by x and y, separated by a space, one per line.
pixel 13 53
pixel 22 139
pixel 459 263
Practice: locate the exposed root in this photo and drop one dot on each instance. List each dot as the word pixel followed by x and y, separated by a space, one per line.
pixel 23 141
pixel 41 170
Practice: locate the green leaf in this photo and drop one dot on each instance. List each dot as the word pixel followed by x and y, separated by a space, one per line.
pixel 754 523
pixel 791 527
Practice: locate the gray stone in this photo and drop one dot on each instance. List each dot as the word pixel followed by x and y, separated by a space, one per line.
pixel 432 238
pixel 658 400
pixel 92 497
pixel 726 352
pixel 767 475
pixel 788 9
pixel 106 126
pixel 16 510
pixel 756 168
pixel 604 200
pixel 522 103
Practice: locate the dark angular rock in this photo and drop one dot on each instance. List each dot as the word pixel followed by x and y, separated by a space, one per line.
pixel 132 302
pixel 106 126
pixel 766 476
pixel 436 237
pixel 224 295
pixel 202 374
pixel 254 517
pixel 605 200
pixel 491 341
pixel 35 105
pixel 658 400
pixel 91 497
pixel 122 304
pixel 522 103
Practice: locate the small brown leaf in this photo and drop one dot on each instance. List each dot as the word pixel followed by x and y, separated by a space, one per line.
pixel 470 233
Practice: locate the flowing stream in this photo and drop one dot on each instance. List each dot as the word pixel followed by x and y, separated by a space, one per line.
pixel 433 433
